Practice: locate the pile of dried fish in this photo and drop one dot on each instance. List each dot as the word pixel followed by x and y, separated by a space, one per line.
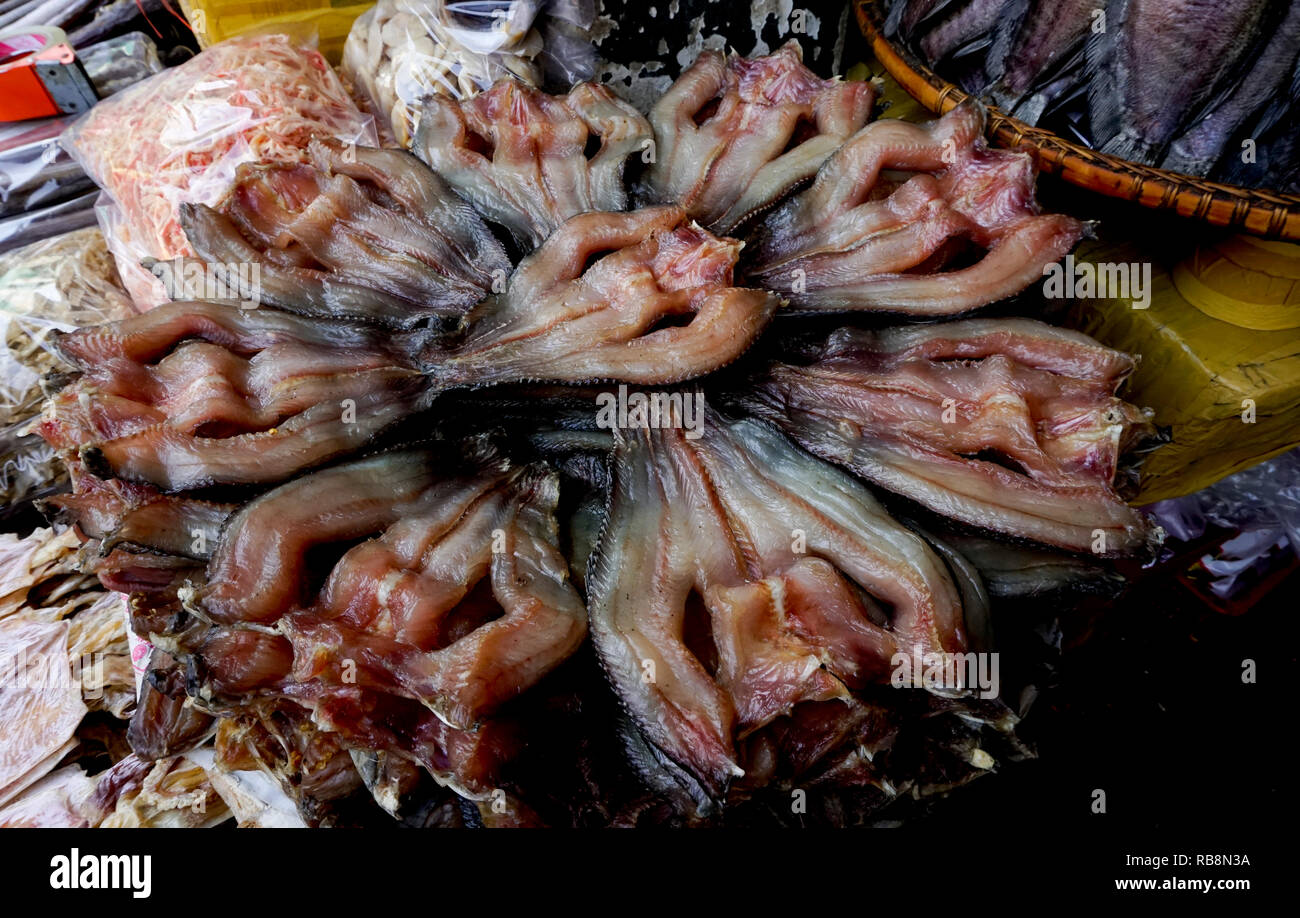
pixel 1008 425
pixel 1203 88
pixel 859 240
pixel 357 233
pixel 368 524
pixel 520 156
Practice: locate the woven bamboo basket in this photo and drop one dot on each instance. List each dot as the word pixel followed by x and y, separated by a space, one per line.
pixel 1263 213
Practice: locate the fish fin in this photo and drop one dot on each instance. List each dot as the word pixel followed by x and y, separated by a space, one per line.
pixel 1105 99
pixel 1128 145
pixel 1009 27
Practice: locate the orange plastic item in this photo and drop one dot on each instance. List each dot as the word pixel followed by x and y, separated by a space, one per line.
pixel 40 76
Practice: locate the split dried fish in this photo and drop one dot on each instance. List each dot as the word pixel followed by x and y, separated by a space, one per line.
pixel 1009 425
pixel 736 134
pixel 857 241
pixel 520 156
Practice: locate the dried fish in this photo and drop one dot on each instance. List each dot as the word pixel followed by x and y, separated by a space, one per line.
pixel 192 394
pixel 358 233
pixel 735 135
pixel 641 297
pixel 854 241
pixel 737 578
pixel 1156 62
pixel 1003 424
pixel 520 156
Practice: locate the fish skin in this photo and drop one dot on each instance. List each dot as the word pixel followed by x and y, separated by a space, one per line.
pixel 977 18
pixel 1014 571
pixel 1047 36
pixel 1196 152
pixel 1005 32
pixel 905 15
pixel 1156 61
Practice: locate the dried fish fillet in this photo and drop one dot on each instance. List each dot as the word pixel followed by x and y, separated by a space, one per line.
pixel 641 297
pixel 1004 424
pixel 457 603
pixel 193 394
pixel 738 578
pixel 520 156
pixel 358 233
pixel 735 135
pixel 857 241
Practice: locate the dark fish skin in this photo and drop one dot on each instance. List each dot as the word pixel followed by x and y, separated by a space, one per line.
pixel 1002 39
pixel 905 15
pixel 1050 33
pixel 1156 62
pixel 1277 157
pixel 1196 152
pixel 1013 570
pixel 972 21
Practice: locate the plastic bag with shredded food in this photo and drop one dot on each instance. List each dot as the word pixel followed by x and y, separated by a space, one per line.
pixel 178 136
pixel 400 51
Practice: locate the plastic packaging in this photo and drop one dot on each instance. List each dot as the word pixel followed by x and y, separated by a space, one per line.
pixel 253 98
pixel 42 223
pixel 219 20
pixel 35 172
pixel 1262 504
pixel 402 50
pixel 119 62
pixel 29 470
pixel 57 284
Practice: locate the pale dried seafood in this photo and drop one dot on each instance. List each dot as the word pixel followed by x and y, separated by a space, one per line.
pixel 1009 425
pixel 521 157
pixel 734 135
pixel 866 236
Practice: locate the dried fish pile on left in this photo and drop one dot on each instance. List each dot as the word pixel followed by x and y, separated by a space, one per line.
pixel 369 522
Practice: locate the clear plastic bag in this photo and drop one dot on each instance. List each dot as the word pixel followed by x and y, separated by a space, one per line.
pixel 400 51
pixel 1262 503
pixel 55 285
pixel 29 470
pixel 178 136
pixel 35 172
